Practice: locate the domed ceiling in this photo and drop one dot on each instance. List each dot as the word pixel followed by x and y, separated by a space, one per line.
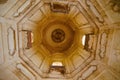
pixel 59 40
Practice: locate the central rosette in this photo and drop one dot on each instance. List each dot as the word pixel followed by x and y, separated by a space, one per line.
pixel 58 35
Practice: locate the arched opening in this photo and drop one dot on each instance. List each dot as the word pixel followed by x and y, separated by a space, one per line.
pixel 57 68
pixel 57 64
pixel 83 40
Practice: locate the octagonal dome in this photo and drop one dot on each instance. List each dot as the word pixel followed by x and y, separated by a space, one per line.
pixel 42 40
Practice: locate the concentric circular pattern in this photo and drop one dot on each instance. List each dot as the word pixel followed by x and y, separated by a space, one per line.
pixel 58 35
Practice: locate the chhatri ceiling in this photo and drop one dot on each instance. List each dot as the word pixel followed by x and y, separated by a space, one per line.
pixel 36 33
